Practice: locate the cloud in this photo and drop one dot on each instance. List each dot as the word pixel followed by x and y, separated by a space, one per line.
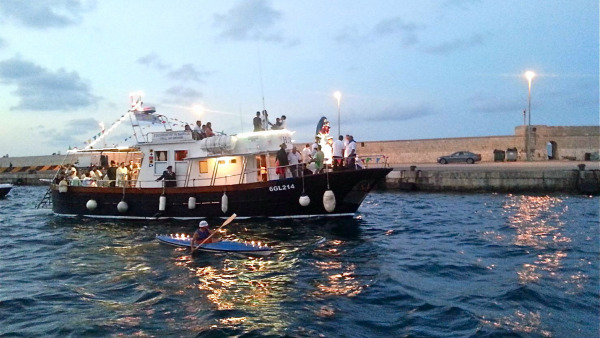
pixel 152 60
pixel 188 72
pixel 73 133
pixel 407 32
pixel 45 14
pixel 2 43
pixel 396 27
pixel 42 90
pixel 454 45
pixel 495 104
pixel 251 20
pixel 398 112
pixel 182 94
pixel 462 4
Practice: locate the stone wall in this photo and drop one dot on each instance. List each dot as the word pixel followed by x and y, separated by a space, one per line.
pixel 570 143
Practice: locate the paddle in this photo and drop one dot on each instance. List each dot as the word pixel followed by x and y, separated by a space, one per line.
pixel 227 221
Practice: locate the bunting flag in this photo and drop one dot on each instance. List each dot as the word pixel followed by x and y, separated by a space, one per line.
pixel 146 117
pixel 377 160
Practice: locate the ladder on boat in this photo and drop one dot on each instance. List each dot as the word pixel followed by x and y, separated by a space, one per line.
pixel 46 201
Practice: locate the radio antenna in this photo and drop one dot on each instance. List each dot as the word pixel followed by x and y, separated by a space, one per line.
pixel 262 91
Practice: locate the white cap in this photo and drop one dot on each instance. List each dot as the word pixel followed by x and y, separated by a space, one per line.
pixel 203 224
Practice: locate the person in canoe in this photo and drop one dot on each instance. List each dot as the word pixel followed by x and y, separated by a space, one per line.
pixel 202 236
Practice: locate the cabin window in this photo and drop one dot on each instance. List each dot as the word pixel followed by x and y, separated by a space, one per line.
pixel 233 160
pixel 161 156
pixel 203 167
pixel 221 161
pixel 180 155
pixel 160 161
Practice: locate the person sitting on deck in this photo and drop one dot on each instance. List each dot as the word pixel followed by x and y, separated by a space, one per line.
pixel 209 132
pixel 197 131
pixel 276 125
pixel 201 235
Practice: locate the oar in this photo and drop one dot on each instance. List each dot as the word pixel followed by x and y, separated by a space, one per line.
pixel 227 221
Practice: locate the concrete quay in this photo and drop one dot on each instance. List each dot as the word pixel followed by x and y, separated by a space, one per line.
pixel 508 177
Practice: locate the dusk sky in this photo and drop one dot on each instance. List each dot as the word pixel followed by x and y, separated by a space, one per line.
pixel 406 69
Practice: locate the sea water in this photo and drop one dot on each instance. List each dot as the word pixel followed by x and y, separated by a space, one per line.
pixel 409 264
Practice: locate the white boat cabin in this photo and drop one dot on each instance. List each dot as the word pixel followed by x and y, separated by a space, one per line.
pixel 216 160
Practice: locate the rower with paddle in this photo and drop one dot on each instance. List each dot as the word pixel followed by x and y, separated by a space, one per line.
pixel 203 235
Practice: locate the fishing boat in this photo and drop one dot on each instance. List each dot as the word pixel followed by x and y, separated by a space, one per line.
pixel 5 189
pixel 225 246
pixel 214 177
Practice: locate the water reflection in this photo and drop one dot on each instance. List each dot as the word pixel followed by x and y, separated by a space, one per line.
pixel 538 221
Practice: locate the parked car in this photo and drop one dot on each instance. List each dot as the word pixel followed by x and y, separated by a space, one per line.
pixel 460 157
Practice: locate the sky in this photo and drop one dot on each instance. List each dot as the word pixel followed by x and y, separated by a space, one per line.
pixel 406 69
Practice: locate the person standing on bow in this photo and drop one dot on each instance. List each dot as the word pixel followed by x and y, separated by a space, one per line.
pixel 257 122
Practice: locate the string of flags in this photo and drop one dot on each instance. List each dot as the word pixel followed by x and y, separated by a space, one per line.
pixel 172 121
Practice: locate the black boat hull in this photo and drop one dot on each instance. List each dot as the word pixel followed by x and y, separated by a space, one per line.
pixel 278 198
pixel 4 190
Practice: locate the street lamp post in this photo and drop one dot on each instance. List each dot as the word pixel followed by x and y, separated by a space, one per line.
pixel 529 75
pixel 338 96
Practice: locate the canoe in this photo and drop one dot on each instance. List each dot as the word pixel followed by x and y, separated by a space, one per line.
pixel 4 189
pixel 183 241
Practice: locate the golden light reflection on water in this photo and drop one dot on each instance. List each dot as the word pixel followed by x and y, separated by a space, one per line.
pixel 246 285
pixel 538 221
pixel 339 278
pixel 520 322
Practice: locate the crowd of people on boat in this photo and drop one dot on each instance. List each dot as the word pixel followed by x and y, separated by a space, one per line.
pixel 98 176
pixel 318 157
pixel 200 131
pixel 261 122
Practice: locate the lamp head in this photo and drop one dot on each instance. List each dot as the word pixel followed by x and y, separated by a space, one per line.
pixel 529 75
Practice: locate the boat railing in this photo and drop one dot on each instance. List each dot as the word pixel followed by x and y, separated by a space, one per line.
pixel 231 178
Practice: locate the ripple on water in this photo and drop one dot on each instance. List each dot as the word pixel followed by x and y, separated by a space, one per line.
pixel 409 265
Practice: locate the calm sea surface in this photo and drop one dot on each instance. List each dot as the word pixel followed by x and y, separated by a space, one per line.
pixel 409 265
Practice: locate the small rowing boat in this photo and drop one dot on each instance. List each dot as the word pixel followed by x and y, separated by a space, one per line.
pixel 4 189
pixel 183 241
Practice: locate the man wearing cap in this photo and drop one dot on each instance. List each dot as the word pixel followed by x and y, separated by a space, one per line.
pixel 169 177
pixel 201 235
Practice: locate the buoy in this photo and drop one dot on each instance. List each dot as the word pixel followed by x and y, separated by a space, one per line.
pixel 304 200
pixel 329 200
pixel 224 202
pixel 162 203
pixel 192 203
pixel 91 205
pixel 63 186
pixel 122 206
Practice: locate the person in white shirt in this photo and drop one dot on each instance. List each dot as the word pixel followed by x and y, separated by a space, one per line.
pixel 328 151
pixel 294 158
pixel 283 122
pixel 306 154
pixel 338 153
pixel 122 175
pixel 350 153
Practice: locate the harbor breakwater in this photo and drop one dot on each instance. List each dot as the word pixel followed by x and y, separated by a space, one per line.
pixel 581 178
